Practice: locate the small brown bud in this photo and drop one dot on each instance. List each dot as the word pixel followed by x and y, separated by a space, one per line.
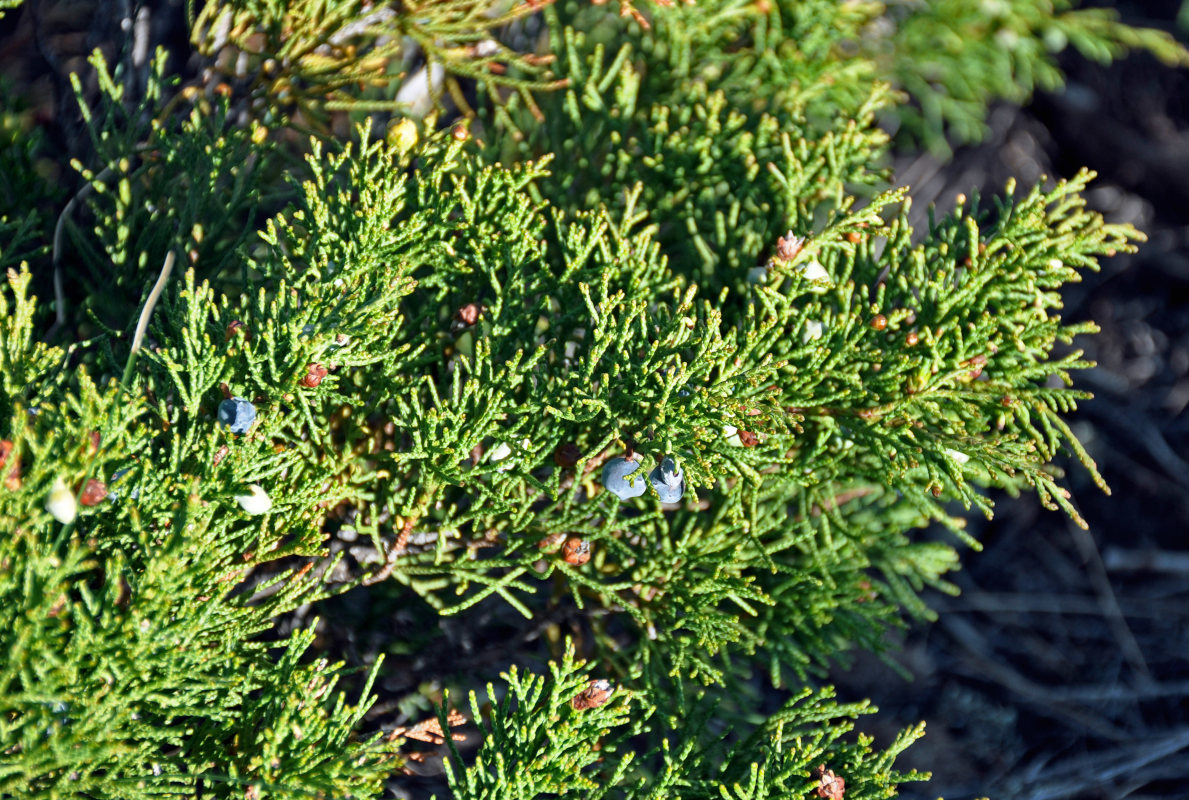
pixel 123 593
pixel 788 246
pixel 879 322
pixel 12 481
pixel 460 133
pixel 314 375
pixel 576 551
pixel 911 339
pixel 468 314
pixel 978 362
pixel 567 455
pixel 748 439
pixel 93 493
pixel 220 454
pixel 58 606
pixel 854 237
pixel 594 695
pixel 829 785
pixel 551 542
pixel 237 327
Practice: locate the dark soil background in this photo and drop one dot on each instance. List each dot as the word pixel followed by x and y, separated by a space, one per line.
pixel 1062 670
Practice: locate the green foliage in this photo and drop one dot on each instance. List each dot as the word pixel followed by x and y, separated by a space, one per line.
pixel 108 689
pixel 299 61
pixel 536 743
pixel 210 165
pixel 684 242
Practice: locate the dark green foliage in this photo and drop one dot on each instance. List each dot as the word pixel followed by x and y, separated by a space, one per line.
pixel 537 742
pixel 424 321
pixel 210 166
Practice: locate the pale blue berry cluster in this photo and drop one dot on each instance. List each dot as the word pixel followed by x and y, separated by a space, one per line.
pixel 622 478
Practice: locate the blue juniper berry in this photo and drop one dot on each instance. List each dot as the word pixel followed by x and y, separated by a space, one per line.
pixel 668 480
pixel 237 414
pixel 616 477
